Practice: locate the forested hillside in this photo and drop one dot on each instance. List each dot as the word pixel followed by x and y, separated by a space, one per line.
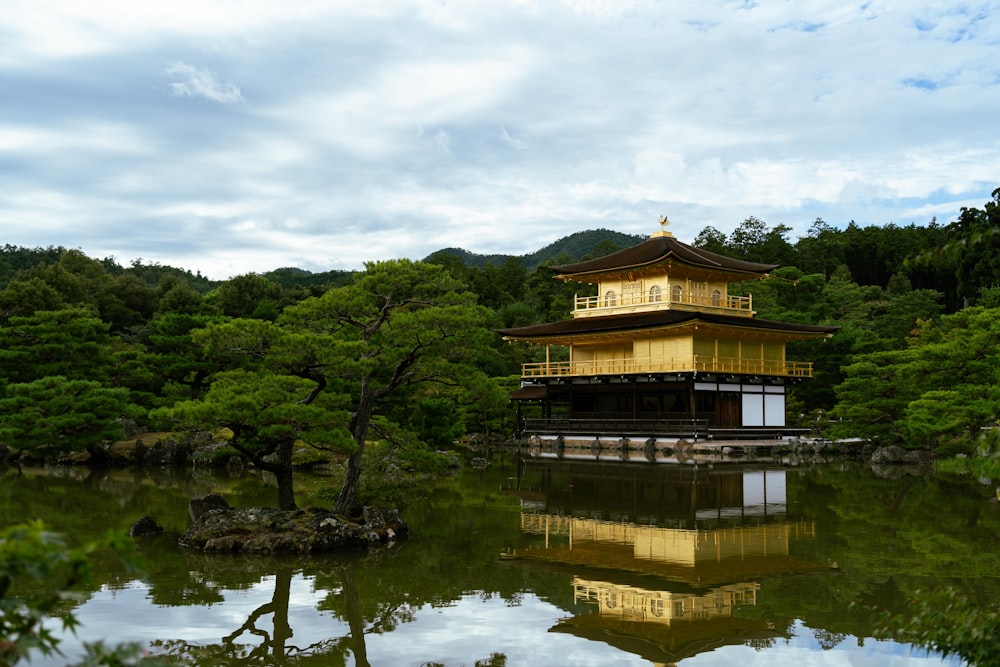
pixel 594 243
pixel 86 342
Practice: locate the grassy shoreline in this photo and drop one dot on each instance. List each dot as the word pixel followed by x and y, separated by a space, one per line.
pixel 976 466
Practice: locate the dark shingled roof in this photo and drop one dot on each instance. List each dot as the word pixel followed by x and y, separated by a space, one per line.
pixel 655 319
pixel 657 249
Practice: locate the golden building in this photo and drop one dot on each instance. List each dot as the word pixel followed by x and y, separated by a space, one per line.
pixel 664 347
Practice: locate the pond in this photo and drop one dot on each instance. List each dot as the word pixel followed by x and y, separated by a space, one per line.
pixel 544 562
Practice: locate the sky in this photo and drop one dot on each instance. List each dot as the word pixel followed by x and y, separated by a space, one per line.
pixel 236 136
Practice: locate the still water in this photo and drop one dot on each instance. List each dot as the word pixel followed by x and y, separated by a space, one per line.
pixel 545 562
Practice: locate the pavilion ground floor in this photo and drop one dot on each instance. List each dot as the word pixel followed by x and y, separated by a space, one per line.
pixel 682 405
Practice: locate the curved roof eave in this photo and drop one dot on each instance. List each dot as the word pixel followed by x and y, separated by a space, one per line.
pixel 654 320
pixel 656 250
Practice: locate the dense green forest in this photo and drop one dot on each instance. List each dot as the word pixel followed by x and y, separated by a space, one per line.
pixel 86 343
pixel 593 243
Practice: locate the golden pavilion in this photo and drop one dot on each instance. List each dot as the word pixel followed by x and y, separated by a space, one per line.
pixel 663 348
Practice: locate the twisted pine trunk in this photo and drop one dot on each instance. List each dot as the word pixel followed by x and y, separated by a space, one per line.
pixel 359 431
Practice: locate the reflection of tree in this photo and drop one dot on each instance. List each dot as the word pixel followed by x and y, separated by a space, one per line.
pixel 888 538
pixel 495 660
pixel 828 640
pixel 274 647
pixel 352 606
pixel 278 607
pixel 951 623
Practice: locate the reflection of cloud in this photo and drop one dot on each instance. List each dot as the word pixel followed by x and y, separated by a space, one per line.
pixel 127 614
pixel 457 633
pixel 193 82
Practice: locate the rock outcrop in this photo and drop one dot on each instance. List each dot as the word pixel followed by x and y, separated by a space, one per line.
pixel 893 462
pixel 887 455
pixel 145 526
pixel 303 531
pixel 198 506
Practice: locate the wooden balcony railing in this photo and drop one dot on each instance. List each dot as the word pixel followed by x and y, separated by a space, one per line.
pixel 686 364
pixel 621 426
pixel 736 305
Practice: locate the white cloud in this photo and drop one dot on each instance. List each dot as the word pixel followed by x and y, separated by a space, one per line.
pixel 190 81
pixel 396 128
pixel 511 141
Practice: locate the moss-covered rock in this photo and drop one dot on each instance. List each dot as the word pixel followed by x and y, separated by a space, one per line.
pixel 309 530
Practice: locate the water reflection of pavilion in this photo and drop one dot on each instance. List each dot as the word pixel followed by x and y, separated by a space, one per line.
pixel 662 557
pixel 633 603
pixel 665 627
pixel 697 557
pixel 668 496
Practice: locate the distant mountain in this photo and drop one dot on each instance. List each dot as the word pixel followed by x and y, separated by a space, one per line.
pixel 289 277
pixel 572 248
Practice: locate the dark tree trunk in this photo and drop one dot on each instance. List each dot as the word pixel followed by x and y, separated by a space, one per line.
pixel 352 482
pixel 99 457
pixel 283 474
pixel 359 430
pixel 281 469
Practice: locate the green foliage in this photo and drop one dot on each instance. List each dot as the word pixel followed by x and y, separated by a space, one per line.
pixel 943 416
pixel 438 419
pixel 55 414
pixel 268 413
pixel 121 299
pixel 72 342
pixel 576 246
pixel 268 408
pixel 899 317
pixel 977 233
pixel 712 240
pixel 64 314
pixel 39 574
pixel 158 275
pixel 753 241
pixel 15 259
pixel 394 468
pixel 176 297
pixel 983 468
pixel 939 390
pixel 950 623
pixel 487 403
pixel 176 359
pixel 249 295
pixel 399 348
pixel 25 296
pixel 402 326
pixel 290 278
pixel 983 462
pixel 874 395
pixel 518 314
pixel 29 555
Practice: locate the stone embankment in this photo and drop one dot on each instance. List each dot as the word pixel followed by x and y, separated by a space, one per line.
pixel 885 461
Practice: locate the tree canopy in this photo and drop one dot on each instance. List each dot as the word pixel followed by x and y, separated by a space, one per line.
pixel 404 351
pixel 323 374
